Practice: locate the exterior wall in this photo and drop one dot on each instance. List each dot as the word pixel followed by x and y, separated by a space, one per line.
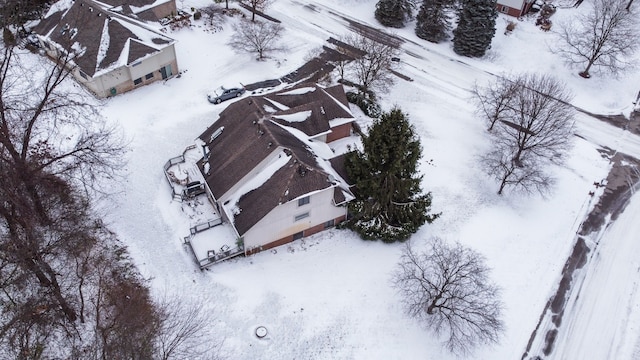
pixel 339 132
pixel 509 11
pixel 122 78
pixel 322 138
pixel 154 63
pixel 514 8
pixel 288 239
pixel 279 226
pixel 117 78
pixel 165 9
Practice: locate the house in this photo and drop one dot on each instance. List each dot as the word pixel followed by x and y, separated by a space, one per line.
pixel 109 48
pixel 271 164
pixel 515 8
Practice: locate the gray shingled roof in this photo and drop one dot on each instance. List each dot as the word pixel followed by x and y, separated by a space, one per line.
pixel 251 133
pixel 82 26
pixel 139 9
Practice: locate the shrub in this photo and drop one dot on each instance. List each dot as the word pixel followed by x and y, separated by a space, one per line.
pixel 366 103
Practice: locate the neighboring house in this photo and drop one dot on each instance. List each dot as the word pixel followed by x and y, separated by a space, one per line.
pixel 110 53
pixel 515 8
pixel 271 167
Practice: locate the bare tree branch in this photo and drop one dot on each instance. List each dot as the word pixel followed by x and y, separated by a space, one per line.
pixel 373 70
pixel 257 38
pixel 532 124
pixel 604 38
pixel 256 6
pixel 186 331
pixel 448 289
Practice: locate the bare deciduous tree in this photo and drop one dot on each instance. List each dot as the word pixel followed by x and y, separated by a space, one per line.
pixel 605 37
pixel 226 3
pixel 492 101
pixel 214 16
pixel 257 38
pixel 186 331
pixel 448 289
pixel 53 147
pixel 256 5
pixel 373 70
pixel 526 175
pixel 539 118
pixel 532 123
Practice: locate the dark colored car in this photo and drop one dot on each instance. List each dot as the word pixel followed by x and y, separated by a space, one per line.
pixel 226 95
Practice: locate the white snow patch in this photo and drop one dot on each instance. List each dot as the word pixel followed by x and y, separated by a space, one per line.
pixel 78 49
pixel 296 117
pixel 59 6
pixel 105 40
pixel 299 91
pixel 278 105
pixel 269 109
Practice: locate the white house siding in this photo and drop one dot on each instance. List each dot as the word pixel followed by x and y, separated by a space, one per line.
pixel 153 63
pixel 122 78
pixel 101 85
pixel 280 222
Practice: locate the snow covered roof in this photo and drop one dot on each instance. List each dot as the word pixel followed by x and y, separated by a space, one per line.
pixel 139 9
pixel 103 40
pixel 255 130
pixel 310 108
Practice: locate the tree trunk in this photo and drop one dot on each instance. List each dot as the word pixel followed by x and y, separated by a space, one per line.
pixel 493 122
pixel 585 73
pixel 36 266
pixel 434 304
pixel 629 5
pixel 503 183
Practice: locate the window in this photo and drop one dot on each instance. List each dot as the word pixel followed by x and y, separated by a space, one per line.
pixel 303 201
pixel 301 216
pixel 298 236
pixel 148 76
pixel 136 63
pixel 137 81
pixel 84 76
pixel 504 9
pixel 330 223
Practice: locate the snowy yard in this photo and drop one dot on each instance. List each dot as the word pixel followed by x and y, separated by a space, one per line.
pixel 329 296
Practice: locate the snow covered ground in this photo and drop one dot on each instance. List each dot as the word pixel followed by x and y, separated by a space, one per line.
pixel 329 296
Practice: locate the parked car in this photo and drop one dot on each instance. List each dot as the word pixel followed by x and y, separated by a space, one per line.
pixel 226 95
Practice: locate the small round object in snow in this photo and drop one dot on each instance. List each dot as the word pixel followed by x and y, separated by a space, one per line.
pixel 261 331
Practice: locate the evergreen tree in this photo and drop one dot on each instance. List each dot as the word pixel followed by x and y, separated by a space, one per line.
pixel 476 27
pixel 390 204
pixel 432 21
pixel 394 13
